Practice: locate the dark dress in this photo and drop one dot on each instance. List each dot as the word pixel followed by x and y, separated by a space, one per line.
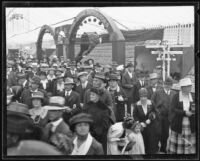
pixel 152 131
pixel 102 121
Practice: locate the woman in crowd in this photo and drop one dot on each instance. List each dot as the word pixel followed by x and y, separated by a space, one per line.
pixel 84 143
pixel 38 113
pixel 182 139
pixel 146 114
pixel 101 116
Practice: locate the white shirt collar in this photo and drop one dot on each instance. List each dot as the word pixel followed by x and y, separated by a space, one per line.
pixel 68 92
pixel 44 81
pixel 130 74
pixel 24 83
pixel 84 84
pixel 167 91
pixel 56 123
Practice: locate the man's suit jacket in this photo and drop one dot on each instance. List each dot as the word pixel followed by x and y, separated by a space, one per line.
pixel 82 91
pixel 162 101
pixel 71 101
pixel 128 84
pixel 62 128
pixel 48 86
pixel 151 92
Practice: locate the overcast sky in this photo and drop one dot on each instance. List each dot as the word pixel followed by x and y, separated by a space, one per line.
pixel 131 17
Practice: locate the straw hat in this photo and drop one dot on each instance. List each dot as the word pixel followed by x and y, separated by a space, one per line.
pixel 185 82
pixel 56 103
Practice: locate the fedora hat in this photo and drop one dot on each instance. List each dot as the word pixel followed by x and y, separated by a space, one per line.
pixel 35 147
pixel 168 81
pixel 153 76
pixel 69 81
pixel 100 76
pixel 17 108
pixel 59 69
pixel 21 76
pixel 38 95
pixel 56 103
pixel 113 77
pixel 185 82
pixel 129 65
pixel 79 118
pixel 82 73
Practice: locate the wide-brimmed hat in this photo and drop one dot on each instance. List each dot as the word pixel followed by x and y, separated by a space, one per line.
pixel 79 118
pixel 69 81
pixel 143 92
pixel 82 73
pixel 100 76
pixel 153 76
pixel 129 65
pixel 113 77
pixel 59 77
pixel 42 73
pixel 19 124
pixel 56 103
pixel 54 65
pixel 17 108
pixel 185 82
pixel 108 66
pixel 51 69
pixel 38 95
pixel 98 65
pixel 86 67
pixel 21 76
pixel 120 67
pixel 59 69
pixel 168 81
pixel 34 147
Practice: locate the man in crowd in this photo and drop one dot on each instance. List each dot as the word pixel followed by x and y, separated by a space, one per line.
pixel 57 132
pixel 162 99
pixel 72 99
pixel 83 86
pixel 154 85
pixel 128 81
pixel 118 97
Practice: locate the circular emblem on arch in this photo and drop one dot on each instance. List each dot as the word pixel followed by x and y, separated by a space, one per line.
pixel 114 33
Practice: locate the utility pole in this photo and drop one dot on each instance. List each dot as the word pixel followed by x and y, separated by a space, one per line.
pixel 166 55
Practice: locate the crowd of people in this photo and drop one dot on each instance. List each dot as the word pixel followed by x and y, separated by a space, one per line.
pixel 61 107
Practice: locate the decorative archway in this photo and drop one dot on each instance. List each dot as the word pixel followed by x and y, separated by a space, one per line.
pixel 44 29
pixel 115 35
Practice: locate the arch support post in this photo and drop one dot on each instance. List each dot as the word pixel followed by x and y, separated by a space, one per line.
pixel 69 49
pixel 118 52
